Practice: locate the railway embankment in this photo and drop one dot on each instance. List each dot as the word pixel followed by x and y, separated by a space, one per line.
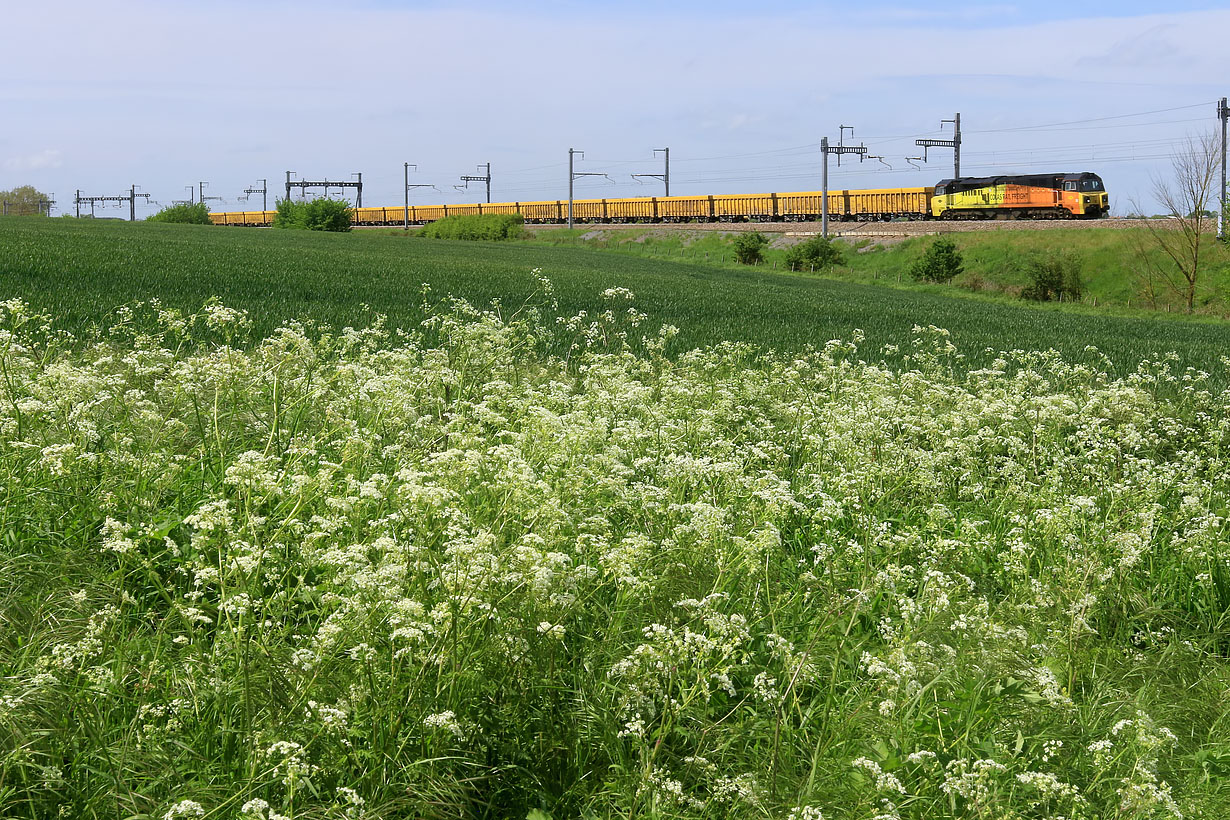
pixel 1118 268
pixel 888 229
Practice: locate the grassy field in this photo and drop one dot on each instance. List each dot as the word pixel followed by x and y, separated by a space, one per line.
pixel 371 577
pixel 250 573
pixel 79 271
pixel 993 260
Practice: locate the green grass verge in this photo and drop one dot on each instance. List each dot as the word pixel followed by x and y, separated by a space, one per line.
pixel 1111 260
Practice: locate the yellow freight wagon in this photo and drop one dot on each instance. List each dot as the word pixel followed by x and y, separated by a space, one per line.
pixel 391 215
pixel 243 218
pixel 875 204
pixel 498 208
pixel 632 209
pixel 467 209
pixel 754 207
pixel 684 208
pixel 801 206
pixel 542 211
pixel 886 203
pixel 367 216
pixel 427 213
pixel 587 210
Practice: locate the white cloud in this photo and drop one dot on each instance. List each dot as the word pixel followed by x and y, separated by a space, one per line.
pixel 47 158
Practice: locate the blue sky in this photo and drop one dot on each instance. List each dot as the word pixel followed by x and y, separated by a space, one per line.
pixel 167 94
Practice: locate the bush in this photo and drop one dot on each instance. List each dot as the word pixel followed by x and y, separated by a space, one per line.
pixel 1054 277
pixel 817 252
pixel 315 215
pixel 940 263
pixel 184 214
pixel 493 227
pixel 749 248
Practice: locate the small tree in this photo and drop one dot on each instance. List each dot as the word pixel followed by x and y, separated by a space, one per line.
pixel 316 215
pixel 184 213
pixel 941 262
pixel 1186 198
pixel 1055 276
pixel 817 252
pixel 749 248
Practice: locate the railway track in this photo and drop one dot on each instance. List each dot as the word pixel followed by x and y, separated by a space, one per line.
pixel 881 229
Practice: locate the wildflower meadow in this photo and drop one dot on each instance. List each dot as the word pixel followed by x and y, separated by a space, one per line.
pixel 463 569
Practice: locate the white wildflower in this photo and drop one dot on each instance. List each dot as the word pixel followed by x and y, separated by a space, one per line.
pixel 185 808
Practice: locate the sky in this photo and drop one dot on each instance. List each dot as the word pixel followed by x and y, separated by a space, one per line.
pixel 97 96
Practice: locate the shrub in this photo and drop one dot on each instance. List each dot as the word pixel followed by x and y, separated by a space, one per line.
pixel 315 215
pixel 493 227
pixel 1054 277
pixel 941 262
pixel 184 213
pixel 817 252
pixel 749 247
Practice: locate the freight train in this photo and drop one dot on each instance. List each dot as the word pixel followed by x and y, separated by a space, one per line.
pixel 1030 196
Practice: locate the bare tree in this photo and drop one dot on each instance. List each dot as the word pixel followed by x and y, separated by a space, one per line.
pixel 1186 196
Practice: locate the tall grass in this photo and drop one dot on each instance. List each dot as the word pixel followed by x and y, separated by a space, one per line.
pixel 449 573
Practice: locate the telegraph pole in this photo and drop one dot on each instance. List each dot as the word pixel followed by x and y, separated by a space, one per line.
pixel 572 175
pixel 1223 113
pixel 665 176
pixel 954 144
pixel 487 179
pixel 406 191
pixel 201 199
pixel 132 203
pixel 838 150
pixel 263 191
pixel 408 166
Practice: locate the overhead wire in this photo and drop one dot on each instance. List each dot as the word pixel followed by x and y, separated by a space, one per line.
pixel 1093 119
pixel 781 164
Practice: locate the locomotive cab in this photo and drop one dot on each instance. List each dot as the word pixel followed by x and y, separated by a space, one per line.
pixel 1085 195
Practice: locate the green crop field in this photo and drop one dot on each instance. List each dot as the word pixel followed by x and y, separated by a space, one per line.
pixel 553 563
pixel 79 271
